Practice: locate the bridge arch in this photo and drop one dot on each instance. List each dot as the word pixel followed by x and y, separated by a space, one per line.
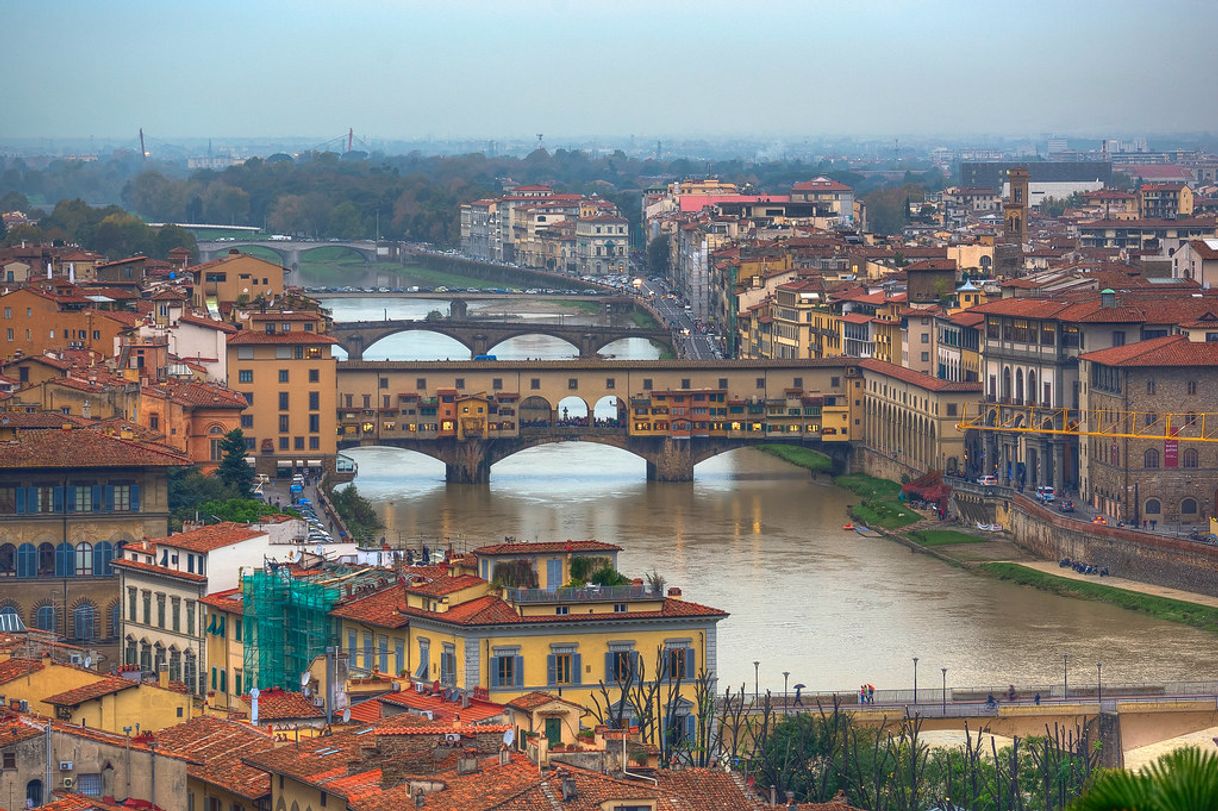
pixel 573 410
pixel 498 348
pixel 458 350
pixel 535 411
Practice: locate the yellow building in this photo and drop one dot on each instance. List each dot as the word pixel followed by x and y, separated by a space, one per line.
pixel 523 631
pixel 235 278
pixel 282 363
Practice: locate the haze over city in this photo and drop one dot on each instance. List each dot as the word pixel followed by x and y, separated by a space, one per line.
pixel 394 69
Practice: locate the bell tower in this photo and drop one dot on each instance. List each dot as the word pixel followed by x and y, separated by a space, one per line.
pixel 1015 207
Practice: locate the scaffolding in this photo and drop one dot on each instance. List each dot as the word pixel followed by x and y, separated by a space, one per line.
pixel 1112 423
pixel 287 625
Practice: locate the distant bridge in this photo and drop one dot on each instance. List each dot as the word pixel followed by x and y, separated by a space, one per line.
pixel 479 336
pixel 289 251
pixel 673 414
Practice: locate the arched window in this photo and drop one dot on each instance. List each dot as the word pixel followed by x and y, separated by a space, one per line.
pixel 84 622
pixel 103 554
pixel 46 560
pixel 1188 506
pixel 158 656
pixel 1189 457
pixel 33 793
pixel 133 652
pixel 84 559
pixel 190 672
pixel 175 664
pixel 27 560
pixel 1019 385
pixel 1006 384
pixel 8 560
pixel 65 562
pixel 1153 507
pixel 1150 459
pixel 145 656
pixel 116 618
pixel 10 610
pixel 44 618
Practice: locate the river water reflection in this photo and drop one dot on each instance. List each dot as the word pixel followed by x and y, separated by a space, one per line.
pixel 757 537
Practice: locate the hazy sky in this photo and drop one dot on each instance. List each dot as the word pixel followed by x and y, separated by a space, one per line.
pixel 500 68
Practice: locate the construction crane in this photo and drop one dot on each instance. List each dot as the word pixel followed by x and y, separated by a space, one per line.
pixel 143 151
pixel 350 137
pixel 1103 422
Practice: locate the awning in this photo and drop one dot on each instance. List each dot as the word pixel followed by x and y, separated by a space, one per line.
pixel 281 464
pixel 314 463
pixel 299 463
pixel 251 461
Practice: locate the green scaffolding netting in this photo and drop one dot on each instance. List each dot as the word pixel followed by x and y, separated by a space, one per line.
pixel 287 625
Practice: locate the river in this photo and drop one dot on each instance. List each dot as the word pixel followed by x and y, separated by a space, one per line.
pixel 758 538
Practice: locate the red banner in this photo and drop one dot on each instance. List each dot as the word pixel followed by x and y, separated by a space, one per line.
pixel 1171 450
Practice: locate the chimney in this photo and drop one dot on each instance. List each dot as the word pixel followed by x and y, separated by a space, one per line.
pixel 568 787
pixel 1107 297
pixel 162 676
pixel 467 763
pixel 418 798
pixel 505 757
pixel 791 804
pixel 674 592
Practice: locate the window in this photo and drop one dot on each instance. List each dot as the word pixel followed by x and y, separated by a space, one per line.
pixel 283 401
pixel 125 497
pixel 314 423
pixel 314 443
pixel 448 666
pixel 284 423
pixel 1188 506
pixel 561 668
pixel 535 383
pixel 245 376
pixel 314 400
pixel 460 383
pixel 1150 459
pixel 247 420
pixel 424 669
pixel 723 382
pixel 44 618
pixel 507 669
pixel 620 665
pixel 761 382
pixel 84 622
pixel 283 375
pixel 382 383
pixel 1153 507
pixel 679 663
pixel 84 559
pixel 285 443
pixel 1118 338
pixel 572 383
pixel 175 613
pixel 245 353
pixel 160 610
pixel 1150 385
pixel 190 618
pixel 647 384
pixel 131 603
pixel 10 760
pixel 420 383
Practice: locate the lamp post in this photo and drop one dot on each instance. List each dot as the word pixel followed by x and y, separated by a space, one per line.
pixel 1099 682
pixel 944 669
pixel 756 680
pixel 1065 677
pixel 786 676
pixel 915 696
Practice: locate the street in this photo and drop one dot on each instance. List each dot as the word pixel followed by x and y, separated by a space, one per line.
pixel 687 340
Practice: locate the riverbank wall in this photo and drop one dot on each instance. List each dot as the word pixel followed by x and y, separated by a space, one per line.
pixel 1171 562
pixel 881 465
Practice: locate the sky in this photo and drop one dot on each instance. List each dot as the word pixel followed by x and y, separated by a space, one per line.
pixel 510 68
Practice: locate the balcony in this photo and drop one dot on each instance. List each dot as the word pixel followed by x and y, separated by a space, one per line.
pixel 586 594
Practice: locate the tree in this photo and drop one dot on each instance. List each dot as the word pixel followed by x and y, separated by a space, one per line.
pixel 169 237
pixel 123 234
pixel 357 513
pixel 657 256
pixel 225 203
pixel 345 221
pixel 234 470
pixel 1183 780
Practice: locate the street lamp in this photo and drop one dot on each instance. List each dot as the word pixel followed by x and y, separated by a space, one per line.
pixel 944 669
pixel 786 675
pixel 1099 681
pixel 1065 677
pixel 915 696
pixel 756 680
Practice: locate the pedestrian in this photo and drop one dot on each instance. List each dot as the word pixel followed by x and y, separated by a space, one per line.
pixel 1153 523
pixel 862 694
pixel 871 694
pixel 1036 699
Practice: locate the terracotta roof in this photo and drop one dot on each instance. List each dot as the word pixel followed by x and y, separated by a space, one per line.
pixel 531 701
pixel 544 547
pixel 1204 248
pixel 152 568
pixel 1170 350
pixel 491 610
pixel 383 609
pixel 820 184
pixel 200 394
pixel 446 585
pixel 39 419
pixel 220 744
pixel 275 704
pixel 210 323
pixel 367 711
pixel 213 536
pixel 14 729
pixel 441 710
pixel 252 336
pixel 83 449
pixel 922 381
pixel 79 695
pixel 708 790
pixel 230 600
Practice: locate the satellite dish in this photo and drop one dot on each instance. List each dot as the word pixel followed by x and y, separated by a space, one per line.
pixel 304 679
pixel 347 716
pixel 88 662
pixel 509 736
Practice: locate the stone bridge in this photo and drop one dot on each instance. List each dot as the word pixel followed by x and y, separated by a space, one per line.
pixel 468 461
pixel 479 336
pixel 289 251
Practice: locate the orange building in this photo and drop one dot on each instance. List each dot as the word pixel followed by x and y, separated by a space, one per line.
pixel 33 320
pixel 192 417
pixel 235 278
pixel 282 364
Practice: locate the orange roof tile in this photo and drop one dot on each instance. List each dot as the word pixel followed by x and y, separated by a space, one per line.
pixel 220 745
pixel 445 585
pixel 383 609
pixel 83 449
pixel 207 538
pixel 275 704
pixel 79 695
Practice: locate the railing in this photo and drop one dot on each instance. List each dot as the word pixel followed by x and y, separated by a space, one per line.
pixel 586 594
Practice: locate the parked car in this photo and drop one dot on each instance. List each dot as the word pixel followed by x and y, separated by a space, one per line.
pixel 987 481
pixel 1046 493
pixel 1066 506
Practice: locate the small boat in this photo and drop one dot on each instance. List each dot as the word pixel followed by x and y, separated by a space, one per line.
pixel 848 527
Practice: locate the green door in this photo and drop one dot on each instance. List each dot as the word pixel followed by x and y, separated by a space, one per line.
pixel 553 731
